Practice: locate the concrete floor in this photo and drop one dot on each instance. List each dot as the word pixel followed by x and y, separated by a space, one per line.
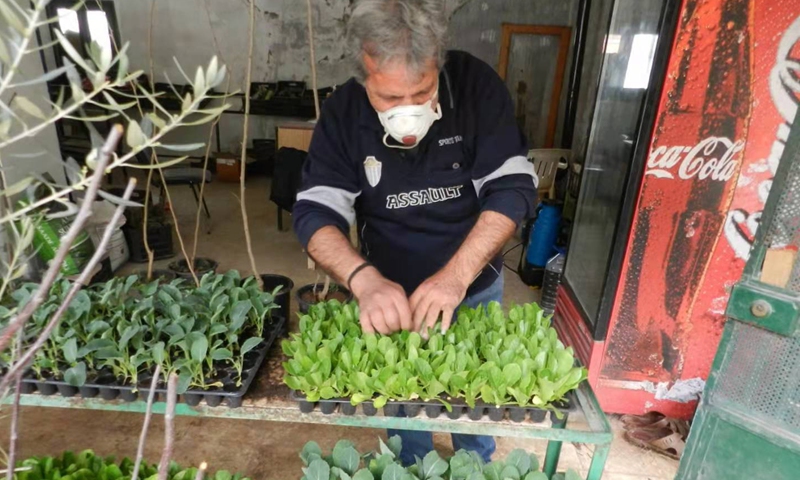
pixel 268 451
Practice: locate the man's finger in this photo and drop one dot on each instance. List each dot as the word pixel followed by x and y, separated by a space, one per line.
pixel 391 317
pixel 404 312
pixel 420 312
pixel 447 318
pixel 431 316
pixel 366 324
pixel 380 323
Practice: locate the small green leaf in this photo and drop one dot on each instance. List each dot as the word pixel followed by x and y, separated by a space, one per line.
pixel 393 472
pixel 221 354
pixel 250 344
pixel 346 457
pixel 76 376
pixel 535 476
pixel 520 460
pixel 363 474
pixel 223 475
pixel 572 475
pixel 199 349
pixel 395 444
pixel 433 465
pixel 184 381
pixel 318 470
pixel 70 349
pixel 510 472
pixel 310 448
pixel 239 311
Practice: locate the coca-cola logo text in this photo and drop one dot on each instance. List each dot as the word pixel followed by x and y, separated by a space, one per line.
pixel 715 158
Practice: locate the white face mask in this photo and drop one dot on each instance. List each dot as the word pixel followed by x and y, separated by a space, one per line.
pixel 408 124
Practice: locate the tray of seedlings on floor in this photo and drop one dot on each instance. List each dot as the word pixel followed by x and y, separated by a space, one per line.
pixel 215 336
pixel 489 364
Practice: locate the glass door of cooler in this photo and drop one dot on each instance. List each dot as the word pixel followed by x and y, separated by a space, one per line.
pixel 629 80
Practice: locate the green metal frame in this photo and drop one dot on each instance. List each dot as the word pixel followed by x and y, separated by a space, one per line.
pixel 598 433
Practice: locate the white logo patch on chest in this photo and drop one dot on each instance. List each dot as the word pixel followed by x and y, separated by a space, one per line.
pixel 425 196
pixel 372 167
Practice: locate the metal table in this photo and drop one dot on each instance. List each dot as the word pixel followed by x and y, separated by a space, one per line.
pixel 269 400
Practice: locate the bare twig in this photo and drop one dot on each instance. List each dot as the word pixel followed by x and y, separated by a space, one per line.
pixel 23 46
pixel 189 264
pixel 12 441
pixel 201 472
pixel 243 169
pixel 82 280
pixel 147 249
pixel 325 288
pixel 66 242
pixel 169 433
pixel 148 414
pixel 145 218
pixel 20 469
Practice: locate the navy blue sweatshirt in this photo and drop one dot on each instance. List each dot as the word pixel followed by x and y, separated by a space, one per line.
pixel 414 208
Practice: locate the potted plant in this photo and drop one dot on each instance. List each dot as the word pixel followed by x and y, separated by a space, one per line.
pixel 314 293
pixel 201 266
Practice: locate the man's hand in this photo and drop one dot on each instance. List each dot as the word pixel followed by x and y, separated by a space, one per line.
pixel 440 294
pixel 383 304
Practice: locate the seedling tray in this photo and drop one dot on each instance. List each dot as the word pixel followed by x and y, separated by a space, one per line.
pixel 230 394
pixel 434 409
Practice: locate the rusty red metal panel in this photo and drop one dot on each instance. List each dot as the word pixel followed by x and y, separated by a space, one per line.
pixel 730 94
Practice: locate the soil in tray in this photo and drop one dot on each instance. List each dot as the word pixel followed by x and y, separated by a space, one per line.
pixel 311 297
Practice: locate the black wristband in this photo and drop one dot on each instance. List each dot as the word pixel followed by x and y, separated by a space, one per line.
pixel 355 272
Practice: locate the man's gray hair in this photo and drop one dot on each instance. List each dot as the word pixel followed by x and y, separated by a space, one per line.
pixel 409 31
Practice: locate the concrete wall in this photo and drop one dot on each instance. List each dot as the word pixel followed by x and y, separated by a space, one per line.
pixel 195 30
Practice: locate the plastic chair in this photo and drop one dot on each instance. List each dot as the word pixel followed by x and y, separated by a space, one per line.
pixel 546 162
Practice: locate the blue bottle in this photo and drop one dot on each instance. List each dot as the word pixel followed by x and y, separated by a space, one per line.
pixel 542 242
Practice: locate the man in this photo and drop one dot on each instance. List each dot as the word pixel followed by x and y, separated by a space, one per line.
pixel 422 150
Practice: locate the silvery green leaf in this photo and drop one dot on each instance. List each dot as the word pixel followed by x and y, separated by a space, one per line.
pixel 220 76
pixel 345 456
pixel 95 54
pixel 160 164
pixel 199 81
pixel 29 107
pixel 4 56
pixel 5 127
pixel 572 475
pixel 187 103
pixel 147 127
pixel 122 69
pixel 135 137
pixel 188 147
pixel 211 72
pixel 73 171
pixel 180 69
pixel 71 52
pixel 363 474
pixel 38 154
pixel 157 121
pixel 118 200
pixel 106 56
pixel 42 78
pixel 12 18
pixel 184 380
pixel 17 187
pixel 116 106
pixel 520 459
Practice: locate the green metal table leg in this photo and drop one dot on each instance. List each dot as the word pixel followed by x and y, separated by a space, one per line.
pixel 598 462
pixel 553 448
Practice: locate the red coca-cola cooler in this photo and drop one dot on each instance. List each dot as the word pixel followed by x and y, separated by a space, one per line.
pixel 693 104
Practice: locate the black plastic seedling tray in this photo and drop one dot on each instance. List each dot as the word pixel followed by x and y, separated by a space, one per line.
pixel 434 409
pixel 230 394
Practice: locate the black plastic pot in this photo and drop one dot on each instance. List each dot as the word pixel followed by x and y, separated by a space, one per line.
pixel 89 392
pixel 369 409
pixel 284 296
pixel 27 388
pixel 496 414
pixel 211 266
pixel 67 390
pixel 517 414
pixel 46 388
pixel 164 275
pixel 304 305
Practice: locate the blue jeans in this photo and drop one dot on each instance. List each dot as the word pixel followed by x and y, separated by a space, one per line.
pixel 419 444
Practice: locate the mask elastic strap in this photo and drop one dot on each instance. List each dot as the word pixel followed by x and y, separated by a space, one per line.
pixel 403 147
